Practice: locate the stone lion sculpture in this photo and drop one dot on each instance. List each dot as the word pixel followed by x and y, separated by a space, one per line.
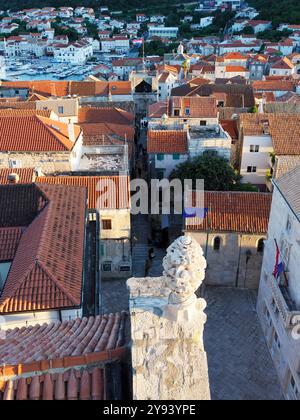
pixel 184 269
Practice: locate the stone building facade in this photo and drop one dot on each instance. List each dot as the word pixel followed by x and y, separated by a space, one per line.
pixel 278 304
pixel 232 235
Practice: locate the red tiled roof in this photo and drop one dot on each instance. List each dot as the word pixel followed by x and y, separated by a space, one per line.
pixel 167 141
pixel 24 112
pixel 234 212
pixel 235 56
pixel 62 360
pixel 276 85
pixel 34 134
pixel 105 115
pixel 285 133
pixel 118 199
pixel 46 272
pixel 200 107
pixel 158 109
pixel 26 175
pixel 230 126
pixel 9 241
pixel 63 339
pixel 65 88
pixel 236 69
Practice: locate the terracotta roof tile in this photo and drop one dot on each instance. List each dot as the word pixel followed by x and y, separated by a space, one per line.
pixel 33 133
pixel 9 241
pixel 236 69
pixel 26 175
pixel 274 85
pixel 167 141
pixel 46 272
pixel 234 212
pixel 278 125
pixel 24 113
pixel 61 339
pixel 200 107
pixel 105 115
pixel 65 88
pixel 83 350
pixel 120 194
pixel 230 126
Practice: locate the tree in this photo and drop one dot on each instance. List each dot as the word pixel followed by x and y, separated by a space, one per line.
pixel 217 173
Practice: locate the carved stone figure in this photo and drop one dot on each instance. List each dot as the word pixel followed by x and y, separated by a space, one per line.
pixel 184 269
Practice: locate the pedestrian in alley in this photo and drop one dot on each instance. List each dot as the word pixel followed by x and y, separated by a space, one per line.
pixel 148 265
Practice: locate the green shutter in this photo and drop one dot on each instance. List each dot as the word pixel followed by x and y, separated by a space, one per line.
pixel 176 156
pixel 160 157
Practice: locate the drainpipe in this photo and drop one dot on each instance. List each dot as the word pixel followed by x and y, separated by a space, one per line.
pixel 239 261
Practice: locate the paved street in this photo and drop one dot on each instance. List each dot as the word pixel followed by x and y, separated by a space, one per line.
pixel 240 366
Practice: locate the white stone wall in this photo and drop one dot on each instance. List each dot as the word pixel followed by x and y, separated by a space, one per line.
pixel 47 162
pixel 168 164
pixel 261 159
pixel 228 267
pixel 26 319
pixel 285 228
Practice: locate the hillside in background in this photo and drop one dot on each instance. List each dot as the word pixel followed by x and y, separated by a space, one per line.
pixel 114 4
pixel 279 11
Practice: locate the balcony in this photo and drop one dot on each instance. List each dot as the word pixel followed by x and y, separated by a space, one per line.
pixel 283 303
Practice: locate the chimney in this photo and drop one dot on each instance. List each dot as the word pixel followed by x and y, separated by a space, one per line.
pixel 13 178
pixel 71 131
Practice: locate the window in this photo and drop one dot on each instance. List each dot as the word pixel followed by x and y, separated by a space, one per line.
pixel 60 109
pixel 254 149
pixel 203 123
pixel 106 224
pixel 160 157
pixel 217 244
pixel 261 246
pixel 102 250
pixel 187 111
pixel 107 266
pixel 176 156
pixel 251 169
pixel 160 175
pixel 176 112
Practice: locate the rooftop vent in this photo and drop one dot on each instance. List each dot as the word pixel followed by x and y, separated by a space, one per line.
pixel 13 178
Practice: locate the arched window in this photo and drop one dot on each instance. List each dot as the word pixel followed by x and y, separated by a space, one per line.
pixel 261 246
pixel 217 243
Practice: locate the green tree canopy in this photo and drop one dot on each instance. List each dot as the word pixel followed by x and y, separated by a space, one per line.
pixel 217 173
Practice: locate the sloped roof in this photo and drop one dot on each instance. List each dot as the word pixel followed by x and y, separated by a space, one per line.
pixel 105 115
pixel 65 88
pixel 239 212
pixel 274 85
pixel 46 272
pixel 26 175
pixel 34 133
pixel 167 141
pixel 9 241
pixel 64 360
pixel 119 197
pixel 278 127
pixel 289 186
pixel 200 107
